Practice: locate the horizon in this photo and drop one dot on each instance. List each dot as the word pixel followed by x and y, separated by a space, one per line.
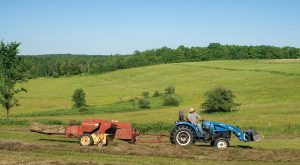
pixel 59 54
pixel 121 27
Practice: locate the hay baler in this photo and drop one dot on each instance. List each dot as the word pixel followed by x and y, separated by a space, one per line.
pixel 97 132
pixel 91 131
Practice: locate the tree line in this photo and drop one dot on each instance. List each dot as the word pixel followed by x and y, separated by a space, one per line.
pixel 68 64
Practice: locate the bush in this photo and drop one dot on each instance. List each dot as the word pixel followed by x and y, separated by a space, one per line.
pixel 78 98
pixel 132 100
pixel 83 109
pixel 55 75
pixel 13 122
pixel 153 127
pixel 170 90
pixel 144 103
pixel 51 122
pixel 74 122
pixel 170 101
pixel 156 94
pixel 219 99
pixel 146 94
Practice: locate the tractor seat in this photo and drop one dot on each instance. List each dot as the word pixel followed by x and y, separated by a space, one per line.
pixel 181 116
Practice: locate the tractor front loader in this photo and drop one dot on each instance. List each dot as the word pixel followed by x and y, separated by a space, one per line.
pixel 216 133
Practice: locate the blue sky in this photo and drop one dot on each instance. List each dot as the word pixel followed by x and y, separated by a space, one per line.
pixel 123 26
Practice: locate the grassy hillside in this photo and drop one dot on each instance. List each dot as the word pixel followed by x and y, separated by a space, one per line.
pixel 268 91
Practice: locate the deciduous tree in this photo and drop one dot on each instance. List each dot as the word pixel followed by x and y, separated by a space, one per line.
pixel 11 75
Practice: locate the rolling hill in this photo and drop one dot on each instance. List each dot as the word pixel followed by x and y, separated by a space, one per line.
pixel 268 91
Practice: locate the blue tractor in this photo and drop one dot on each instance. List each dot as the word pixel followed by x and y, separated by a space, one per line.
pixel 216 133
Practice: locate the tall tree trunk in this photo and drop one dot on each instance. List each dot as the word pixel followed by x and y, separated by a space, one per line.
pixel 7 113
pixel 89 63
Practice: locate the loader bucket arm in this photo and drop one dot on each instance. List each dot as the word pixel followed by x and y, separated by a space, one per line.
pixel 246 136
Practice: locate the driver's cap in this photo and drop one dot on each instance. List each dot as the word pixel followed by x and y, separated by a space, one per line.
pixel 192 110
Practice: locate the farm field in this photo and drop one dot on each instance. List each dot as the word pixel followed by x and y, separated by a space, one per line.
pixel 268 90
pixel 43 149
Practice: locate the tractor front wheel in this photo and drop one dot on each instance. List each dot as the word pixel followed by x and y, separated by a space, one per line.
pixel 182 135
pixel 222 143
pixel 86 140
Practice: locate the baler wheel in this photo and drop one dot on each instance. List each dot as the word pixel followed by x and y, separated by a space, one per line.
pixel 86 140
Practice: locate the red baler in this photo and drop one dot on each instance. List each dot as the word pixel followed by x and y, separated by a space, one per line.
pixel 91 131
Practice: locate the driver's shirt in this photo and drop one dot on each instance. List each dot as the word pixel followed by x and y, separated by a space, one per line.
pixel 193 117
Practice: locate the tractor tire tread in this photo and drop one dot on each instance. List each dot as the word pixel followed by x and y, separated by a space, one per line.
pixel 176 130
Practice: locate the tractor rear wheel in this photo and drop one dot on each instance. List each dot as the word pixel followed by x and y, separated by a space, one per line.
pixel 222 143
pixel 182 135
pixel 86 140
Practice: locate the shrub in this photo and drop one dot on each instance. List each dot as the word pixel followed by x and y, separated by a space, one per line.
pixel 55 75
pixel 146 94
pixel 144 103
pixel 52 122
pixel 13 122
pixel 78 98
pixel 219 99
pixel 153 127
pixel 170 101
pixel 83 109
pixel 170 90
pixel 156 94
pixel 74 122
pixel 132 100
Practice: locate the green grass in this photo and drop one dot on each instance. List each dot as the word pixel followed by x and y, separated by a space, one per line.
pixel 268 91
pixel 266 96
pixel 13 122
pixel 153 127
pixel 121 106
pixel 24 147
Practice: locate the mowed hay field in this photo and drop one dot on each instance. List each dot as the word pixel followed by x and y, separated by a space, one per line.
pixel 268 90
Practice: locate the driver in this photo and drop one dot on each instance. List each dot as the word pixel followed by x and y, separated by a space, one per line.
pixel 193 117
